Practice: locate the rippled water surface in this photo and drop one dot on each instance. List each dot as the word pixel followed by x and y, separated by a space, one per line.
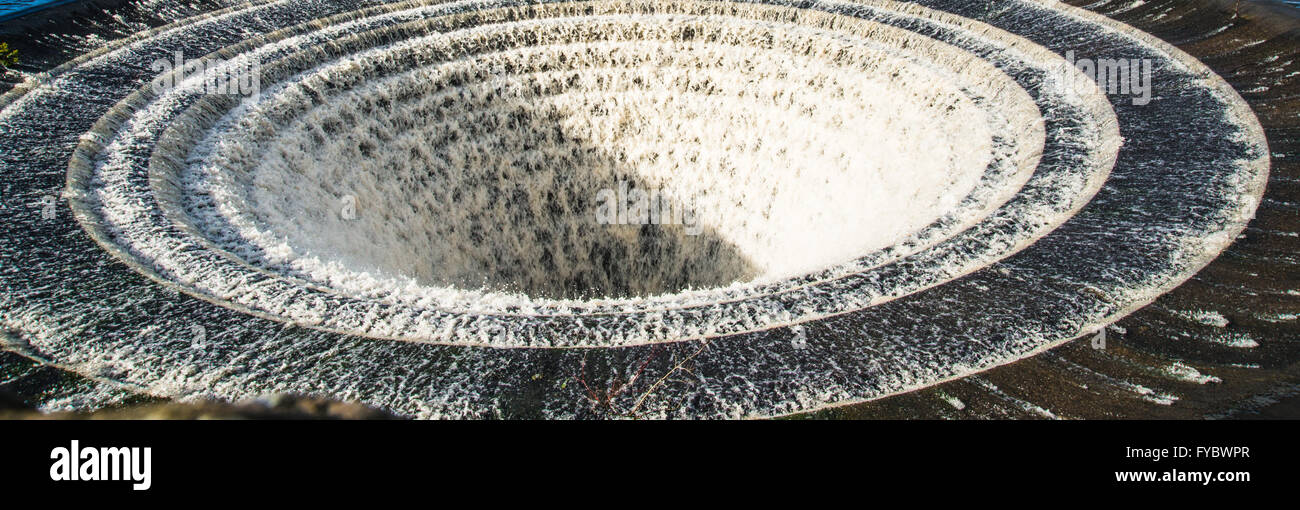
pixel 10 9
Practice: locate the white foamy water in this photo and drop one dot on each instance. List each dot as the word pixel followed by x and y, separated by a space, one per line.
pixel 807 147
pixel 784 176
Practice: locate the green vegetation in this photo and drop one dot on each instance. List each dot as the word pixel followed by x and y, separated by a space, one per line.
pixel 8 57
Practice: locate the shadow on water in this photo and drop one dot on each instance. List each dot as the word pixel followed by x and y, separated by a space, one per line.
pixel 485 190
pixel 531 217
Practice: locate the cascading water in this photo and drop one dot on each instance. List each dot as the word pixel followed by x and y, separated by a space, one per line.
pixel 415 188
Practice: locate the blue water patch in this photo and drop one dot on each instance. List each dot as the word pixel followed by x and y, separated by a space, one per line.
pixel 10 9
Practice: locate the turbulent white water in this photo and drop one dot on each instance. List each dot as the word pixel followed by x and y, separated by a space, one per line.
pixel 496 180
pixel 900 182
pixel 791 162
pixel 802 146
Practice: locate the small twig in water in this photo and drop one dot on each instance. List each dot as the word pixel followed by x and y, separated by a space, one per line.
pixel 616 388
pixel 703 344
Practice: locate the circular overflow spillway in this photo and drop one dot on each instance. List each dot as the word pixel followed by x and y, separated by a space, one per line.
pixel 656 209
